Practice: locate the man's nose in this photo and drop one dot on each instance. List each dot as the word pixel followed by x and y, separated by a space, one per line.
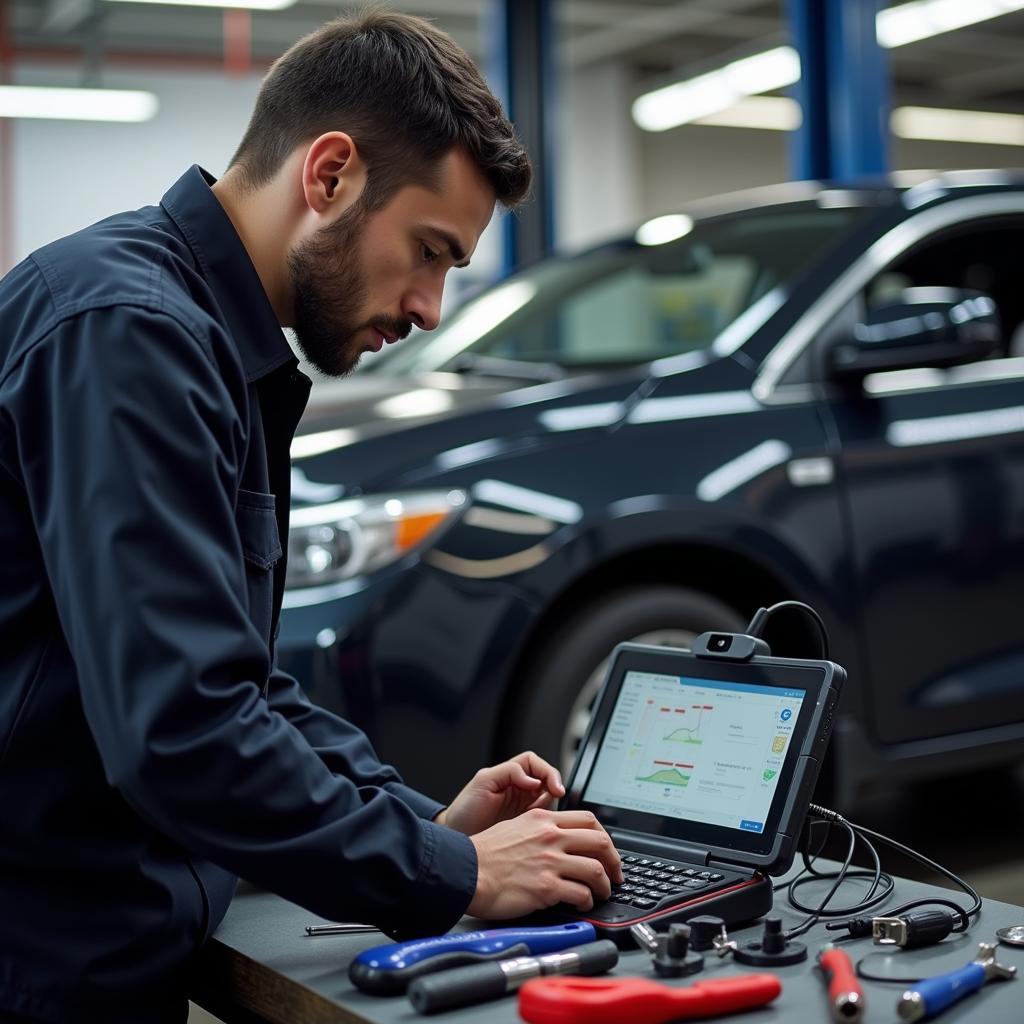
pixel 423 308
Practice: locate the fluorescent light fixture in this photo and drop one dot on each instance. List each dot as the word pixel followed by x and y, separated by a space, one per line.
pixel 777 113
pixel 936 123
pixel 698 98
pixel 921 19
pixel 77 104
pixel 251 5
pixel 958 125
pixel 706 94
pixel 664 229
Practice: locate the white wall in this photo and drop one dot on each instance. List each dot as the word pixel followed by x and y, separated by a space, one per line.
pixel 67 174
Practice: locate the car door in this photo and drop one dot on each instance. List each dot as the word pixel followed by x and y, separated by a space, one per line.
pixel 931 466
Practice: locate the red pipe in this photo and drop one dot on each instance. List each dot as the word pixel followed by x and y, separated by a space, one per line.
pixel 131 58
pixel 237 41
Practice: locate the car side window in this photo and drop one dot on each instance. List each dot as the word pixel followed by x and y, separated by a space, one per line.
pixel 980 257
pixel 642 310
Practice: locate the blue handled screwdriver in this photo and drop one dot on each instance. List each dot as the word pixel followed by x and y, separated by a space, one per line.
pixel 386 970
pixel 933 995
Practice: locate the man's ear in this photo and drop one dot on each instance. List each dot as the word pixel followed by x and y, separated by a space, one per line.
pixel 333 174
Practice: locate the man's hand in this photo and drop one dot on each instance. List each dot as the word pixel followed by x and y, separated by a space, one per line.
pixel 542 858
pixel 509 789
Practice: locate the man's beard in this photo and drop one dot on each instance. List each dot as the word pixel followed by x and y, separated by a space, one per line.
pixel 330 291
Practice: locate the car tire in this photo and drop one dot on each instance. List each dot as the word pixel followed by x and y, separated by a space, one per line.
pixel 561 680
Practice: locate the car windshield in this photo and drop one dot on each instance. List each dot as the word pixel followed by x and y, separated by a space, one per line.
pixel 624 303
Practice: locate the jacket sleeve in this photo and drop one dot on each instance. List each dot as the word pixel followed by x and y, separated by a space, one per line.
pixel 342 746
pixel 130 447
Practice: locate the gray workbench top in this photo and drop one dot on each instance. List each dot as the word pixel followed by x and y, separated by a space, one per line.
pixel 261 965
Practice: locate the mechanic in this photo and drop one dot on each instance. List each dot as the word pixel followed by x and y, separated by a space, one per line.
pixel 150 749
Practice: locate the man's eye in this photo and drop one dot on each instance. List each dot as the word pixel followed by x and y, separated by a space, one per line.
pixel 428 254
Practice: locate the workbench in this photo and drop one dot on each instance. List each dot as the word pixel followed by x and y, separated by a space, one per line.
pixel 260 967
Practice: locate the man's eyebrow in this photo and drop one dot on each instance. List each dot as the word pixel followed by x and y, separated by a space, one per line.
pixel 453 245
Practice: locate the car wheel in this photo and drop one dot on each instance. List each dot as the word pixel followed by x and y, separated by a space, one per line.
pixel 562 679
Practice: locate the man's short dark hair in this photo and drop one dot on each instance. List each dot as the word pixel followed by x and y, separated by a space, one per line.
pixel 406 93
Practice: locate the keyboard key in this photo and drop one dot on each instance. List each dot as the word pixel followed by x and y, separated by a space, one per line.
pixel 643 903
pixel 694 883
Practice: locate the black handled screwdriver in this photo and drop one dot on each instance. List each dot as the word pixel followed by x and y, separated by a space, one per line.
pixel 480 982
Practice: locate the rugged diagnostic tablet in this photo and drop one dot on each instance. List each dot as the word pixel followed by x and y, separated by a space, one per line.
pixel 701 765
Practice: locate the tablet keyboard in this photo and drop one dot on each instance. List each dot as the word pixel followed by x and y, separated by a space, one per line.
pixel 652 885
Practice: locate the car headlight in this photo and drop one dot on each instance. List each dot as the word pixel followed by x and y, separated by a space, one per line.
pixel 337 541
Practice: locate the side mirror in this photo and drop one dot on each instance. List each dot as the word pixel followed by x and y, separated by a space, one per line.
pixel 923 327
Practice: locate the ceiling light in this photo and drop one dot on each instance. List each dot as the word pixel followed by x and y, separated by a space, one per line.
pixel 698 98
pixel 706 94
pixel 922 19
pixel 251 5
pixel 958 125
pixel 935 123
pixel 77 104
pixel 773 112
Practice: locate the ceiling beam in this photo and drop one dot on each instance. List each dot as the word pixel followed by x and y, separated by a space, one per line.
pixel 66 15
pixel 647 25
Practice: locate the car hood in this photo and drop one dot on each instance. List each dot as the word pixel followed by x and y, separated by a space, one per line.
pixel 380 431
pixel 376 403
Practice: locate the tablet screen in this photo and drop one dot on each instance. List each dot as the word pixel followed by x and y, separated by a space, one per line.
pixel 705 750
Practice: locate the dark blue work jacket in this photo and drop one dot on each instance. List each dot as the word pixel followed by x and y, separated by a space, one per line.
pixel 150 750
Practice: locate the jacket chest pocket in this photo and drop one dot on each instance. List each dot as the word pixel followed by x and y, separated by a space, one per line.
pixel 261 546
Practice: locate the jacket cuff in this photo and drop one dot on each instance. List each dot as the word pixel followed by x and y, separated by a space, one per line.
pixel 423 806
pixel 445 885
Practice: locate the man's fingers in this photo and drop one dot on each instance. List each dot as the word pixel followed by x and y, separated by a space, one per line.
pixel 519 777
pixel 577 819
pixel 594 843
pixel 591 873
pixel 541 769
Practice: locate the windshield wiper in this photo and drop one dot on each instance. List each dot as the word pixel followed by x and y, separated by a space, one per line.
pixel 497 366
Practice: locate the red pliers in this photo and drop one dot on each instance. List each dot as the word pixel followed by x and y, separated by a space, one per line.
pixel 613 1000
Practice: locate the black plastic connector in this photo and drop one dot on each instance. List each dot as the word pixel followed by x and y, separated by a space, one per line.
pixel 914 930
pixel 729 646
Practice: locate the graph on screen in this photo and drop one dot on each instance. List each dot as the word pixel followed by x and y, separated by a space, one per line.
pixel 691 748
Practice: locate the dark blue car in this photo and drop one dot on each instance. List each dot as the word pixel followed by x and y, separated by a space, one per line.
pixel 805 393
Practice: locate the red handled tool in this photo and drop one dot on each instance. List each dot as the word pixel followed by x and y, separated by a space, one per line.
pixel 613 1000
pixel 844 992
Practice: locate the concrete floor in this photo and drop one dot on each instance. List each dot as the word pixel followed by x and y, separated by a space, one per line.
pixel 971 824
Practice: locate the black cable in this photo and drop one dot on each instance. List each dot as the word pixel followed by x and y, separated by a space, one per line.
pixel 762 615
pixel 965 915
pixel 816 913
pixel 864 832
pixel 810 873
pixel 882 884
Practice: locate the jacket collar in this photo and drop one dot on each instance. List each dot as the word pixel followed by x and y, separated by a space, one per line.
pixel 228 270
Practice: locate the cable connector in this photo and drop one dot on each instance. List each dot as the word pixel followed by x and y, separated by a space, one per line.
pixel 857 927
pixel 826 814
pixel 913 930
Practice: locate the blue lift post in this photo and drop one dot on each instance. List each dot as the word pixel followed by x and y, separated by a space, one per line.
pixel 843 91
pixel 522 74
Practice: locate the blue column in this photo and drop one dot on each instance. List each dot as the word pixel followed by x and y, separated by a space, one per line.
pixel 843 90
pixel 522 74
